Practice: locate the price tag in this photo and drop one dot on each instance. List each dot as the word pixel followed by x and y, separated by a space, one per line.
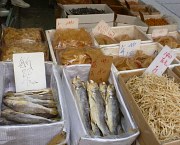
pixel 100 69
pixel 103 28
pixel 161 62
pixel 67 23
pixel 159 33
pixel 29 71
pixel 129 48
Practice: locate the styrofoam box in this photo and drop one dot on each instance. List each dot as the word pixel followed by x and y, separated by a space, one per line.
pixel 124 20
pixel 34 134
pixel 132 31
pixel 172 26
pixel 79 135
pixel 90 18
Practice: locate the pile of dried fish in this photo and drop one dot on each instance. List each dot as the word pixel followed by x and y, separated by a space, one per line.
pixel 28 107
pixel 99 107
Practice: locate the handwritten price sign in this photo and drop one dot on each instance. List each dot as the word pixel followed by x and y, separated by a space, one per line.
pixel 100 69
pixel 159 33
pixel 29 71
pixel 103 28
pixel 161 62
pixel 64 23
pixel 129 48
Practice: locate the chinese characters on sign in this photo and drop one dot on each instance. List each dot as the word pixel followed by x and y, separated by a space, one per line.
pixel 100 69
pixel 161 62
pixel 67 23
pixel 129 48
pixel 29 71
pixel 103 28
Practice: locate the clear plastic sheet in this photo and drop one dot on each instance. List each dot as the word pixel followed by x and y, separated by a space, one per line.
pixel 39 134
pixel 79 134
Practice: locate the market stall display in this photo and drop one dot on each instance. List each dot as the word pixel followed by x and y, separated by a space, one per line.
pixel 32 113
pixel 79 95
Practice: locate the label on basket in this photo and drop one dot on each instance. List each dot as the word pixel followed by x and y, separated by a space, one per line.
pixel 100 69
pixel 103 28
pixel 29 71
pixel 161 62
pixel 67 23
pixel 129 48
pixel 159 33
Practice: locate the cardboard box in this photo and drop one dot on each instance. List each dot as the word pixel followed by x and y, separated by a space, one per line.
pixel 147 137
pixel 79 135
pixel 172 26
pixel 124 20
pixel 90 18
pixel 132 31
pixel 50 36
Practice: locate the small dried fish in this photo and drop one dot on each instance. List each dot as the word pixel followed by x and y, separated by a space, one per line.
pixel 44 94
pixel 113 116
pixel 97 111
pixel 4 121
pixel 29 107
pixel 83 101
pixel 46 103
pixel 23 118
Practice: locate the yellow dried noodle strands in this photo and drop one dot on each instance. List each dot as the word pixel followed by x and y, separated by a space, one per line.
pixel 159 100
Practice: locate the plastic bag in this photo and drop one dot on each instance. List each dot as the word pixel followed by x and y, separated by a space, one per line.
pixel 78 38
pixel 13 35
pixel 7 51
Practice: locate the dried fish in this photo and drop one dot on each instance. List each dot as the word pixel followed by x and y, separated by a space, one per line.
pixel 23 118
pixel 4 121
pixel 97 111
pixel 113 116
pixel 46 103
pixel 44 94
pixel 29 107
pixel 82 101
